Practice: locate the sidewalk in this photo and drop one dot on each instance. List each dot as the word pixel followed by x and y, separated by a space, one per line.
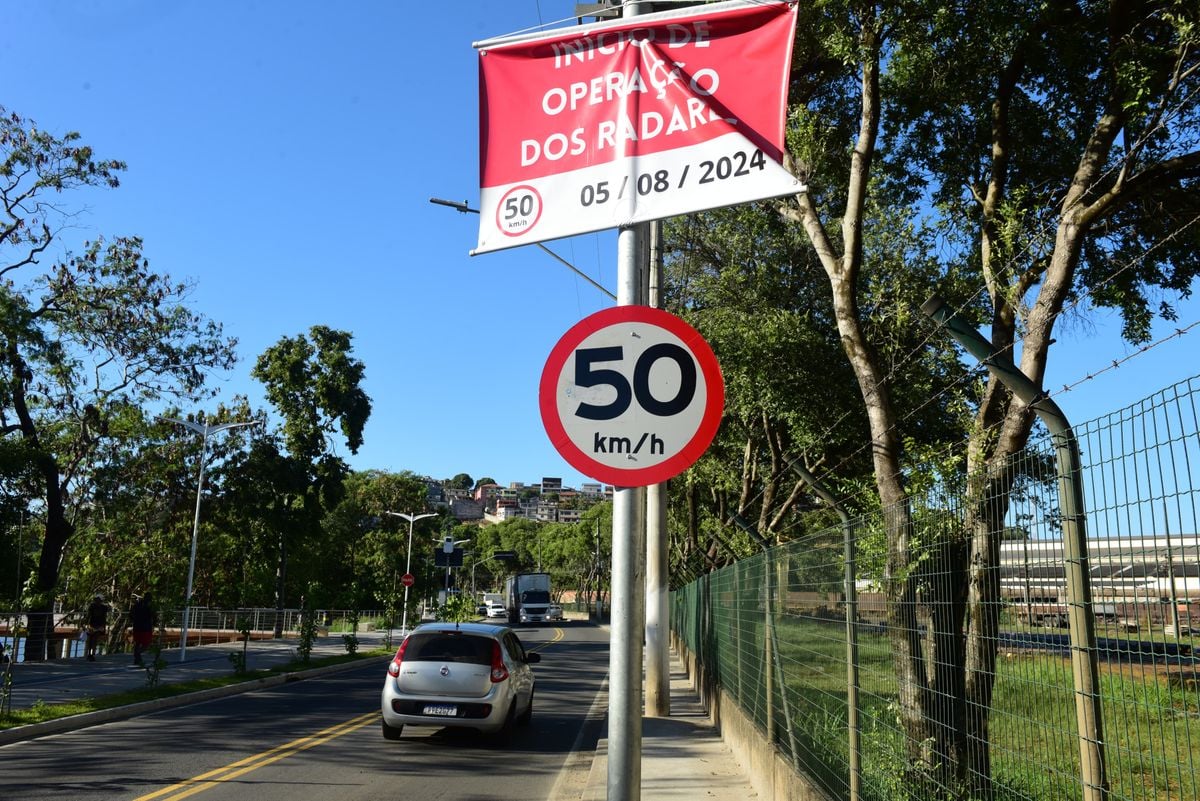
pixel 683 756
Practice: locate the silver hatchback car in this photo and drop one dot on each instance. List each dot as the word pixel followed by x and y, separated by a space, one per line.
pixel 462 675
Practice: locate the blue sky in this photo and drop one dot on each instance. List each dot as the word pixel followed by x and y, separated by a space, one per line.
pixel 282 156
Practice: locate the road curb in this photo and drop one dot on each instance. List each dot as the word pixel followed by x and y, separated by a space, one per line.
pixel 33 730
pixel 597 782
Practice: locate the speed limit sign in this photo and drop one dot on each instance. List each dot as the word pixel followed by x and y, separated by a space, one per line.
pixel 631 396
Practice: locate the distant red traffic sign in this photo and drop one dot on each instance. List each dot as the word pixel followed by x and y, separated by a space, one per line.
pixel 407 579
pixel 631 396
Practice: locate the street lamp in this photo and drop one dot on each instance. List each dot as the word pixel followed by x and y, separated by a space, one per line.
pixel 203 429
pixel 464 208
pixel 474 565
pixel 448 546
pixel 411 518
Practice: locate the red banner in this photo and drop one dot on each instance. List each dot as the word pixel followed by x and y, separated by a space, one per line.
pixel 611 124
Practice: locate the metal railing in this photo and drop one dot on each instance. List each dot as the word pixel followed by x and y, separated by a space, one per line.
pixel 967 687
pixel 206 627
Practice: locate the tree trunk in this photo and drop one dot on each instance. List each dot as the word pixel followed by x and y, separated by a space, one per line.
pixel 985 524
pixel 58 529
pixel 57 533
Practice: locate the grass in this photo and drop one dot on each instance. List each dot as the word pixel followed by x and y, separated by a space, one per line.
pixel 41 712
pixel 1152 728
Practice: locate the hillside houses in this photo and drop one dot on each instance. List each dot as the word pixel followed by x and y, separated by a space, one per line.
pixel 548 501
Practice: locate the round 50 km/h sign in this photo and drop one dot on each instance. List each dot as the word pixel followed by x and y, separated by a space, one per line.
pixel 631 396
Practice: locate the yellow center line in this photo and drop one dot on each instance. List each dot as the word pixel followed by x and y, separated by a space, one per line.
pixel 233 770
pixel 558 635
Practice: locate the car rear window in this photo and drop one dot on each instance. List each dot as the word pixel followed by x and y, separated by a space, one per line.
pixel 449 647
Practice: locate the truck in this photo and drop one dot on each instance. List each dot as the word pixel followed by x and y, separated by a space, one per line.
pixel 527 598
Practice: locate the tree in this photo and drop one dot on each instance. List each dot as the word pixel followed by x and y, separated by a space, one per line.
pixel 750 283
pixel 363 544
pixel 315 384
pixel 460 481
pixel 87 334
pixel 1056 146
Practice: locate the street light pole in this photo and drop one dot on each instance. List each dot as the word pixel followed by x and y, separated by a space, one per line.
pixel 448 546
pixel 203 429
pixel 411 518
pixel 474 565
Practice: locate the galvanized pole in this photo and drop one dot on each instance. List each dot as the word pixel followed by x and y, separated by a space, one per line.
pixel 203 429
pixel 411 518
pixel 658 664
pixel 629 548
pixel 1174 597
pixel 628 599
pixel 1082 622
pixel 658 614
pixel 187 598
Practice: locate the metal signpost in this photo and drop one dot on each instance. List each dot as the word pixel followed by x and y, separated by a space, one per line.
pixel 631 396
pixel 613 125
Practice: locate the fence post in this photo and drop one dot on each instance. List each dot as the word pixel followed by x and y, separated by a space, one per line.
pixel 849 579
pixel 1085 666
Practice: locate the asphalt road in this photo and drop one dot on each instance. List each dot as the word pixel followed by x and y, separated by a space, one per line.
pixel 319 739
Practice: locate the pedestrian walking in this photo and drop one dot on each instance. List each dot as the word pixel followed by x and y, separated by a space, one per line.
pixel 141 617
pixel 96 619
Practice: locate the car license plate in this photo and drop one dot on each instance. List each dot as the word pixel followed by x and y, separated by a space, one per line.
pixel 441 710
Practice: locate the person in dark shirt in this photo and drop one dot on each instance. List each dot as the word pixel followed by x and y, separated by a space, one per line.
pixel 96 619
pixel 141 617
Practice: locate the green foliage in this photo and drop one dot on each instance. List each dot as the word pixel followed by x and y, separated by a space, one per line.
pixel 308 634
pixel 460 481
pixel 1013 158
pixel 350 640
pixel 365 547
pixel 238 658
pixel 153 660
pixel 88 334
pixel 316 386
pixel 457 609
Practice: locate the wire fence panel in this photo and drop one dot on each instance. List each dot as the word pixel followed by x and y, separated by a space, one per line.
pixel 967 662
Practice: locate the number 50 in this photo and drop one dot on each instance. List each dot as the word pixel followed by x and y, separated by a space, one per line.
pixel 586 375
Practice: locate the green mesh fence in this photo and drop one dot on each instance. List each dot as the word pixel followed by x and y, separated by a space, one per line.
pixel 966 684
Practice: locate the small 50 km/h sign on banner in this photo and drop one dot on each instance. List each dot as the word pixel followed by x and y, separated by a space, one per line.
pixel 599 126
pixel 631 396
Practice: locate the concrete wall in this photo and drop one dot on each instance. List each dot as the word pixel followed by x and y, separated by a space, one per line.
pixel 771 773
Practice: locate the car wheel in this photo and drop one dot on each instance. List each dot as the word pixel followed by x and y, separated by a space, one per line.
pixel 526 716
pixel 510 721
pixel 391 732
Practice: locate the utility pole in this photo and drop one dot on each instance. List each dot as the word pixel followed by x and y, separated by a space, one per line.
pixel 628 578
pixel 658 613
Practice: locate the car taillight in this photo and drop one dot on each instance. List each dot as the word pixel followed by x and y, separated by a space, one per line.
pixel 499 671
pixel 394 665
